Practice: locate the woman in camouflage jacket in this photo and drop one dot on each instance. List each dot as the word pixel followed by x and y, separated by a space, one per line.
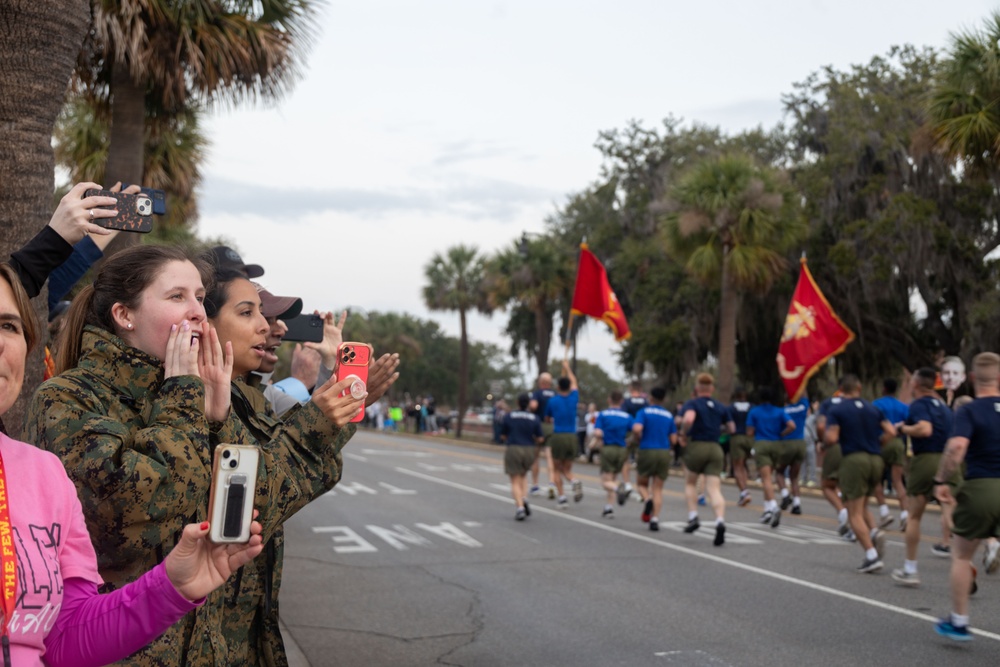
pixel 135 433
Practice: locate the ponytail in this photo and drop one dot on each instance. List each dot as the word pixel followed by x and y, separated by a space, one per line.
pixel 71 337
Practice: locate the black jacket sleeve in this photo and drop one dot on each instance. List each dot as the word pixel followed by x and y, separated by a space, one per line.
pixel 38 258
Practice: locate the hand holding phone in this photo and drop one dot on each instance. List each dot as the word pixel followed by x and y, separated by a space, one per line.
pixel 352 362
pixel 135 212
pixel 234 482
pixel 304 328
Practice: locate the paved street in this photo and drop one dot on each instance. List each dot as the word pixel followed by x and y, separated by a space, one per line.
pixel 415 559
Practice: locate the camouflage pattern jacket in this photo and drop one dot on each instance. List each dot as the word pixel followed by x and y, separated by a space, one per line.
pixel 139 450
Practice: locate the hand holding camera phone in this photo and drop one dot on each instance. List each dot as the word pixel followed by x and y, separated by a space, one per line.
pixel 305 328
pixel 352 362
pixel 135 212
pixel 234 482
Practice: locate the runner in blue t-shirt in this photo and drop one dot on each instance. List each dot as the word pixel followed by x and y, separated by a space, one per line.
pixel 740 444
pixel 655 427
pixel 632 404
pixel 521 430
pixel 561 412
pixel 539 401
pixel 976 439
pixel 767 424
pixel 794 455
pixel 613 426
pixel 893 454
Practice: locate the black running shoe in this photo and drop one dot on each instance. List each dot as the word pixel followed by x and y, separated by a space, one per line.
pixel 654 525
pixel 797 509
pixel 519 516
pixel 870 565
pixel 720 534
pixel 693 525
pixel 786 502
pixel 775 518
pixel 647 511
pixel 527 509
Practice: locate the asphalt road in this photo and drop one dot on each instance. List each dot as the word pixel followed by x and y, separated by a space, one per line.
pixel 415 559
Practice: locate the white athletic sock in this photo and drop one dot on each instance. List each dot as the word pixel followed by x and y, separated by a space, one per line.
pixel 871 554
pixel 873 533
pixel 562 498
pixel 904 515
pixel 654 519
pixel 842 516
pixel 910 566
pixel 796 501
pixel 692 515
pixel 628 487
pixel 958 620
pixel 883 510
pixel 784 493
pixel 609 507
pixel 744 492
pixel 770 505
pixel 719 522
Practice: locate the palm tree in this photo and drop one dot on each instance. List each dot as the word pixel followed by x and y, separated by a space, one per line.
pixel 732 224
pixel 455 282
pixel 534 274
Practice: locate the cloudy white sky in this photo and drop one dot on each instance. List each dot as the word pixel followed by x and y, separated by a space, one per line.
pixel 419 125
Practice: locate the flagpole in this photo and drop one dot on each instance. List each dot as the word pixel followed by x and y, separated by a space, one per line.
pixel 569 335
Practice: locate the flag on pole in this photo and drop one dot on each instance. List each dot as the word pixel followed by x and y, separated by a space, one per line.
pixel 813 334
pixel 593 295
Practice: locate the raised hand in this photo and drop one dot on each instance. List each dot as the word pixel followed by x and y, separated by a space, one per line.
pixel 196 567
pixel 381 375
pixel 333 336
pixel 216 371
pixel 338 409
pixel 181 357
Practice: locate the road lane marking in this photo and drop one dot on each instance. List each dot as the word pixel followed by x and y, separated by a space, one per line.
pixel 878 604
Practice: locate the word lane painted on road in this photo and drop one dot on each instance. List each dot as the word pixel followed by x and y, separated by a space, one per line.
pixel 346 540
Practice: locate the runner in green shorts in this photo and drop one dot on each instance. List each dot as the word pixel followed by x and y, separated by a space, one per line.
pixel 894 456
pixel 767 423
pixel 561 411
pixel 613 425
pixel 829 456
pixel 740 444
pixel 521 431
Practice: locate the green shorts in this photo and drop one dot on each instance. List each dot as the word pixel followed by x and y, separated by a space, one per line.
pixel 654 463
pixel 894 453
pixel 920 476
pixel 613 458
pixel 546 432
pixel 793 452
pixel 767 453
pixel 860 474
pixel 704 457
pixel 740 447
pixel 563 445
pixel 518 459
pixel 977 514
pixel 831 463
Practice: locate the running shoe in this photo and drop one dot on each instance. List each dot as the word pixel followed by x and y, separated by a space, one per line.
pixel 744 500
pixel 941 550
pixel 849 536
pixel 878 539
pixel 693 525
pixel 622 493
pixel 886 521
pixel 766 516
pixel 991 557
pixel 563 503
pixel 701 500
pixel 959 633
pixel 535 491
pixel 577 490
pixel 519 516
pixel 903 520
pixel 870 565
pixel 647 511
pixel 527 509
pixel 904 578
pixel 608 513
pixel 786 502
pixel 796 509
pixel 776 518
pixel 720 534
pixel 552 491
pixel 843 529
pixel 654 525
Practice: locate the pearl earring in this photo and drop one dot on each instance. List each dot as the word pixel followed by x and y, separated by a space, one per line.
pixel 129 326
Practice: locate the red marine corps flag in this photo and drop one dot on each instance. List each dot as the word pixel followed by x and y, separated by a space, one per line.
pixel 813 333
pixel 593 295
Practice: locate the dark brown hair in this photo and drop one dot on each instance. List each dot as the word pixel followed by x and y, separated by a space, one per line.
pixel 122 279
pixel 24 309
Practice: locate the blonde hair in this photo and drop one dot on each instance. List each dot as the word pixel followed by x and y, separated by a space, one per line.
pixel 704 380
pixel 986 367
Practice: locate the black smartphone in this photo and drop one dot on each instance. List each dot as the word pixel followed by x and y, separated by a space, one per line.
pixel 304 329
pixel 135 212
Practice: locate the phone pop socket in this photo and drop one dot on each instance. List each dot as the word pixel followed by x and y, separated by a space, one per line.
pixel 358 387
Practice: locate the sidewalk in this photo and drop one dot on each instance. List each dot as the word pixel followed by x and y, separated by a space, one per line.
pixel 296 658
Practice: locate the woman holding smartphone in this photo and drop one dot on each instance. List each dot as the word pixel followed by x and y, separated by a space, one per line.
pixel 234 310
pixel 142 394
pixel 66 621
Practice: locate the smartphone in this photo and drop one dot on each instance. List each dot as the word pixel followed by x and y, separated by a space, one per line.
pixel 352 361
pixel 230 502
pixel 304 328
pixel 135 212
pixel 158 197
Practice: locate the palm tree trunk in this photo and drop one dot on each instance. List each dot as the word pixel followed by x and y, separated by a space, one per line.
pixel 126 143
pixel 543 336
pixel 463 373
pixel 39 44
pixel 727 332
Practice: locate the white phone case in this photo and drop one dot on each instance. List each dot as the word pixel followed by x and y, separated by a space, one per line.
pixel 234 481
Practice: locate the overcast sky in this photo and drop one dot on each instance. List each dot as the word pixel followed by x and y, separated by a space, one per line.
pixel 419 125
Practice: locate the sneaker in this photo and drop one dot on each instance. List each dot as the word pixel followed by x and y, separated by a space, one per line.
pixel 941 550
pixel 878 540
pixel 744 500
pixel 903 520
pixel 766 516
pixel 701 500
pixel 870 565
pixel 534 491
pixel 843 529
pixel 519 516
pixel 776 519
pixel 527 509
pixel 959 633
pixel 654 525
pixel 796 509
pixel 849 536
pixel 577 490
pixel 720 534
pixel 886 521
pixel 608 513
pixel 563 503
pixel 647 511
pixel 622 494
pixel 786 502
pixel 991 557
pixel 904 578
pixel 552 492
pixel 693 525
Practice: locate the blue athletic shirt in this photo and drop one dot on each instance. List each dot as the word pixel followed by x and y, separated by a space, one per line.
pixel 562 409
pixel 521 428
pixel 893 409
pixel 632 404
pixel 932 410
pixel 860 425
pixel 657 426
pixel 768 421
pixel 542 397
pixel 708 417
pixel 798 412
pixel 615 423
pixel 738 412
pixel 979 421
